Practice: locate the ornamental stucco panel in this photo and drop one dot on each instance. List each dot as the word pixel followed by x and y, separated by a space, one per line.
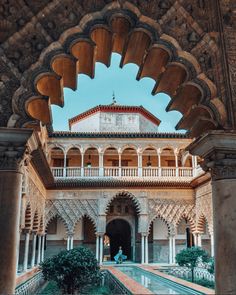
pixel 71 210
pixel 204 210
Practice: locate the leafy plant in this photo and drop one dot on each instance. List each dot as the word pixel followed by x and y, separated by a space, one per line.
pixel 211 266
pixel 190 258
pixel 72 270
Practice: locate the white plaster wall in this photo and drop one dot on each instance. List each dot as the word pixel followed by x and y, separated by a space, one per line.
pixel 78 233
pixel 146 125
pixel 89 124
pixel 160 230
pixel 114 122
pixel 61 232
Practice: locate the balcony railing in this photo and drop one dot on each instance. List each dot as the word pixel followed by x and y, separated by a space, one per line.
pixel 126 172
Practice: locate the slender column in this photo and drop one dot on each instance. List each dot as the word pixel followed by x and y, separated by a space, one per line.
pixel 43 244
pixel 176 163
pixel 120 163
pixel 33 249
pixel 26 252
pixel 195 237
pixel 218 149
pixel 64 168
pixel 71 242
pixel 82 164
pixel 142 249
pixel 159 161
pixel 39 249
pixel 212 246
pixel 170 250
pixel 101 168
pixel 101 250
pixel 68 243
pixel 173 249
pixel 199 240
pixel 18 251
pixel 146 249
pixel 140 164
pixel 97 247
pixel 12 147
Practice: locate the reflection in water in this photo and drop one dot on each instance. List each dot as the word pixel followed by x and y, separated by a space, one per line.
pixel 155 283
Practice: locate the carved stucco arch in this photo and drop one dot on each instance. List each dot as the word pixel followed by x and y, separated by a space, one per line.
pixel 190 219
pixel 204 220
pixel 164 220
pixel 151 31
pixel 93 221
pixel 57 215
pixel 124 194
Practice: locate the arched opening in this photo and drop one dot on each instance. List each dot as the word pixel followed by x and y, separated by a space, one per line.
pixel 73 162
pixel 122 228
pixel 150 162
pixel 56 237
pixel 111 162
pixel 57 161
pixel 91 162
pixel 119 233
pixel 168 162
pixel 88 234
pixel 203 234
pixel 158 241
pixel 184 237
pixel 129 162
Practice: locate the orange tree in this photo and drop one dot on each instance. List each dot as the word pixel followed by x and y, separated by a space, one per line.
pixel 191 257
pixel 72 270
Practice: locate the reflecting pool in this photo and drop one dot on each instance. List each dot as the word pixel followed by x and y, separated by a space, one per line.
pixel 155 283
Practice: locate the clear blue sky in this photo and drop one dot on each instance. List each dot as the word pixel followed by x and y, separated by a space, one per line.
pixel 128 91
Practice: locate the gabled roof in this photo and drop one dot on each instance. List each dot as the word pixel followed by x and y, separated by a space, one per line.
pixel 114 108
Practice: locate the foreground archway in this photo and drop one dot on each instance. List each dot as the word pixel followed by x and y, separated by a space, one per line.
pixel 37 97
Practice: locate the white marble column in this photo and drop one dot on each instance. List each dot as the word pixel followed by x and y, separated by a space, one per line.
pixel 71 242
pixel 140 164
pixel 170 250
pixel 68 243
pixel 42 251
pixel 101 168
pixel 120 168
pixel 64 168
pixel 199 240
pixel 82 164
pixel 142 249
pixel 146 249
pixel 39 249
pixel 97 247
pixel 101 250
pixel 212 246
pixel 33 249
pixel 159 161
pixel 173 249
pixel 18 251
pixel 176 163
pixel 26 252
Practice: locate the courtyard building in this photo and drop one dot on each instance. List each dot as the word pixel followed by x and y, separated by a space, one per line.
pixel 114 173
pixel 117 182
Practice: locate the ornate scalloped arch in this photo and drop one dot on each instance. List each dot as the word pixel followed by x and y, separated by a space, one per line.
pixel 125 194
pixel 189 218
pixel 159 216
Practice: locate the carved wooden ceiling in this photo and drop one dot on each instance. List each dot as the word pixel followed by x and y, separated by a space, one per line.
pixel 45 44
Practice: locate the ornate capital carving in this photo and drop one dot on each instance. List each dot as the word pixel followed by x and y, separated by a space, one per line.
pixel 218 150
pixel 14 148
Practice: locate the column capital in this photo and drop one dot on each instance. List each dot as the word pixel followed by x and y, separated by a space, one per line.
pixel 15 148
pixel 218 149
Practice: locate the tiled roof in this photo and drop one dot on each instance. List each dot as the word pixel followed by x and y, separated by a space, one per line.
pixel 115 109
pixel 70 134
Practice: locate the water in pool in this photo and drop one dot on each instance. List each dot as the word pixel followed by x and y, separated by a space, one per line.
pixel 155 283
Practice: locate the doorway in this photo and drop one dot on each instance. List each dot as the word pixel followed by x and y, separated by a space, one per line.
pixel 119 233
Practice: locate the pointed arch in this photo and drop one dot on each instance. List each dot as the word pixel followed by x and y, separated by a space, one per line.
pixel 125 194
pixel 189 219
pixel 57 215
pixel 159 216
pixel 201 222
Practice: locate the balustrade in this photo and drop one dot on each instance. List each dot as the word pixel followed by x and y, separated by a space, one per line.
pixel 151 172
